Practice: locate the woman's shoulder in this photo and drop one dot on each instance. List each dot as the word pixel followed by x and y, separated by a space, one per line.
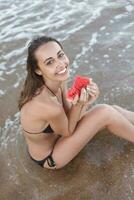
pixel 45 100
pixel 41 105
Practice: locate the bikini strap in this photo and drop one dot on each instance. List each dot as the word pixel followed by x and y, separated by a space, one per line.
pixel 50 161
pixel 31 133
pixel 50 90
pixel 53 92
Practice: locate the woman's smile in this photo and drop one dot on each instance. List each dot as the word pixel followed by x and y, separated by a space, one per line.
pixel 62 72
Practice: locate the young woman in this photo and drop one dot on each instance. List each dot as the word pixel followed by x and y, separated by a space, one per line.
pixel 55 129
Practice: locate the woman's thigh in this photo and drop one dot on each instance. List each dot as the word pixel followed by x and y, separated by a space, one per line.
pixel 67 148
pixel 126 113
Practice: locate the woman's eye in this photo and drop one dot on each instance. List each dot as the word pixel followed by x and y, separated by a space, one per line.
pixel 50 62
pixel 61 54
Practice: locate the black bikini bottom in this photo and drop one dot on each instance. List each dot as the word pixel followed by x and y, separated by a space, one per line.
pixel 49 159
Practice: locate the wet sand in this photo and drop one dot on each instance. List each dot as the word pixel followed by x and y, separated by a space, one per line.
pixel 101 47
pixel 103 170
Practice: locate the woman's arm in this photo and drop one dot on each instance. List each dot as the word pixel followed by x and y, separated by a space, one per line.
pixel 93 94
pixel 83 111
pixel 74 116
pixel 67 105
pixel 80 110
pixel 64 123
pixel 73 112
pixel 61 123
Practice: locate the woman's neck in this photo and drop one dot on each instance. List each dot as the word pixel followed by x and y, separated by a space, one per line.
pixel 53 86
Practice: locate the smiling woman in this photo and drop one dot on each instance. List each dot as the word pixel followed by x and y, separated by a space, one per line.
pixel 56 130
pixel 53 63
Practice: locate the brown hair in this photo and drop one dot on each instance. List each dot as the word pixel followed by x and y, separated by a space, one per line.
pixel 33 81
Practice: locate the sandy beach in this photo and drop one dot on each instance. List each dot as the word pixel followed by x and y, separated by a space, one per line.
pixel 98 37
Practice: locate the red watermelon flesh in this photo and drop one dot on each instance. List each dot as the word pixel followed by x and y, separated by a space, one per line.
pixel 79 83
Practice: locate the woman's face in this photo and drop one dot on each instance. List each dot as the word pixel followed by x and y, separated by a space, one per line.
pixel 52 62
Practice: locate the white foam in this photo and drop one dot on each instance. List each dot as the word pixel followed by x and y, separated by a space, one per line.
pixel 16 52
pixel 129 8
pixel 2 92
pixel 5 138
pixel 111 21
pixel 119 16
pixel 2 66
pixel 93 39
pixel 16 85
pixel 102 28
pixel 128 46
pixel 107 33
pixel 10 72
pixel 131 24
pixel 106 56
pixel 63 22
pixel 2 79
pixel 1 73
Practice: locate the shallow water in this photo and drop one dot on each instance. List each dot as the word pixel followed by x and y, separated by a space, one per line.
pixel 98 37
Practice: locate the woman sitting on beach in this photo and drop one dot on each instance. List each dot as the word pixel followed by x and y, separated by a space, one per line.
pixel 55 129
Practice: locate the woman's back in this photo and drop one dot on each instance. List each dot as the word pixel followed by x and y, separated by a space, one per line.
pixel 38 133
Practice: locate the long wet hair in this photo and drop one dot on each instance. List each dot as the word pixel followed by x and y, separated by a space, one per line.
pixel 33 81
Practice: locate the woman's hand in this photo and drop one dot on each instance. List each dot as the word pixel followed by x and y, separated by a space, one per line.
pixel 88 95
pixel 92 92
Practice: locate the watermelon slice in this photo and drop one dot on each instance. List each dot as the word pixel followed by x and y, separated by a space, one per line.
pixel 78 84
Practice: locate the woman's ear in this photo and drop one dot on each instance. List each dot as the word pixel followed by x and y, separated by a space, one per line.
pixel 38 71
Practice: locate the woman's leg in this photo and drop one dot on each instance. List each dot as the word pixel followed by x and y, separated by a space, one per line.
pixel 97 118
pixel 127 113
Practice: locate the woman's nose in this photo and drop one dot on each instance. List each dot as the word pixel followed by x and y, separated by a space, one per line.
pixel 60 62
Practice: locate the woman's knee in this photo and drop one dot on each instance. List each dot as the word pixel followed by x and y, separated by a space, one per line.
pixel 105 111
pixel 104 108
pixel 118 108
pixel 115 107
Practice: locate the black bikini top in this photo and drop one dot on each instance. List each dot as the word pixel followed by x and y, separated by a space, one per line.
pixel 48 129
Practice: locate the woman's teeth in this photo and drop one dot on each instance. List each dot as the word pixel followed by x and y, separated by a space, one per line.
pixel 63 71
